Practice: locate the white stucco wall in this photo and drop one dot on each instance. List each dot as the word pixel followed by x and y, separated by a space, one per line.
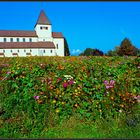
pixel 27 39
pixel 60 42
pixel 45 39
pixel 34 52
pixel 43 33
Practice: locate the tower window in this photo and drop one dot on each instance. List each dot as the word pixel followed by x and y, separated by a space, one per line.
pixel 4 39
pixel 41 28
pixel 46 28
pixel 44 51
pixel 17 39
pixel 30 40
pixel 57 46
pixel 23 39
pixel 51 51
pixel 11 39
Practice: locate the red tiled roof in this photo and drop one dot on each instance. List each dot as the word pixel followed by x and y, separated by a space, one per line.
pixel 17 33
pixel 57 35
pixel 20 45
pixel 43 19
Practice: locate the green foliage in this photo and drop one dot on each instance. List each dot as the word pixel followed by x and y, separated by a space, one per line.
pixel 91 52
pixel 113 52
pixel 126 48
pixel 87 52
pixel 42 92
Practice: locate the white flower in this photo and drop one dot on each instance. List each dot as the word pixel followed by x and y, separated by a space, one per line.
pixel 120 111
pixel 68 76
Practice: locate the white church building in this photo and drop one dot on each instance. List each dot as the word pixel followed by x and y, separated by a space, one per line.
pixel 40 42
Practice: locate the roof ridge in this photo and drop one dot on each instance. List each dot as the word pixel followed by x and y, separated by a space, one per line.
pixel 19 30
pixel 43 19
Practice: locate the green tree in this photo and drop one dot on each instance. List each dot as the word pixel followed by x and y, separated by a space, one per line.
pixel 113 52
pixel 87 52
pixel 126 48
pixel 97 52
pixel 91 52
pixel 66 48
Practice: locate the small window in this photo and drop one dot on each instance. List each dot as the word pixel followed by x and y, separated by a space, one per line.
pixel 17 50
pixel 30 50
pixel 44 51
pixel 51 51
pixel 44 40
pixel 46 28
pixel 41 28
pixel 24 50
pixel 4 51
pixel 57 46
pixel 23 39
pixel 17 39
pixel 4 39
pixel 30 40
pixel 11 51
pixel 11 39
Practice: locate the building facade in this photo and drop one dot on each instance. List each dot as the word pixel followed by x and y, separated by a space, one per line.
pixel 40 42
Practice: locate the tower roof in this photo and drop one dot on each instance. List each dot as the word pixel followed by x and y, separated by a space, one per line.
pixel 43 19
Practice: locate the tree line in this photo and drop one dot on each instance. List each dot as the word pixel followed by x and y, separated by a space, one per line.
pixel 125 48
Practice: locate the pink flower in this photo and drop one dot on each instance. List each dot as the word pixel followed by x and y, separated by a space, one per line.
pixel 65 85
pixel 36 97
pixel 5 65
pixel 8 72
pixel 109 84
pixel 49 80
pixel 106 82
pixel 59 79
pixel 71 81
pixel 137 98
pixel 112 82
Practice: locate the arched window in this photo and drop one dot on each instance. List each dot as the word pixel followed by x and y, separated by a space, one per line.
pixel 57 46
pixel 17 39
pixel 23 39
pixel 4 39
pixel 11 39
pixel 30 40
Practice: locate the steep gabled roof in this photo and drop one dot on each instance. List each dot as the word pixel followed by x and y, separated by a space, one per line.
pixel 57 35
pixel 43 19
pixel 17 33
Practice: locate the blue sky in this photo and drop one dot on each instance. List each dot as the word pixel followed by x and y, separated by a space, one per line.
pixel 101 25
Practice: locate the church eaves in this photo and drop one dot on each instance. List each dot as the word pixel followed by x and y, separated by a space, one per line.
pixel 43 19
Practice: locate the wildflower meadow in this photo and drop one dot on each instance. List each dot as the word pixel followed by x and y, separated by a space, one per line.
pixel 39 94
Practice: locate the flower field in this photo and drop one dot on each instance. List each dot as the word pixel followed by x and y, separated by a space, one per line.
pixel 43 91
